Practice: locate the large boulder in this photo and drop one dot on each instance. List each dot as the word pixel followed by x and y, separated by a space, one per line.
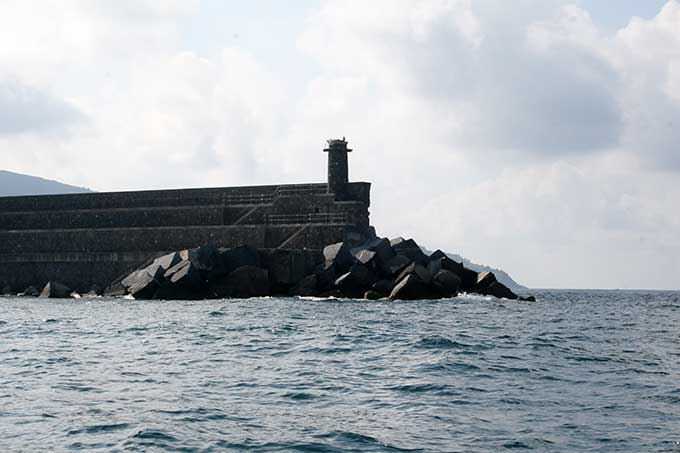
pixel 438 262
pixel 437 254
pixel 231 259
pixel 365 257
pixel 468 279
pixel 31 291
pixel 325 276
pixel 206 259
pixel 395 266
pixel 182 281
pixel 116 289
pixel 410 249
pixel 416 269
pixel 243 282
pixel 95 290
pixel 484 280
pixel 373 295
pixel 383 287
pixel 497 289
pixel 356 281
pixel 286 268
pixel 306 287
pixel 168 261
pixel 380 249
pixel 446 283
pixel 184 273
pixel 340 255
pixel 410 288
pixel 144 283
pixel 55 290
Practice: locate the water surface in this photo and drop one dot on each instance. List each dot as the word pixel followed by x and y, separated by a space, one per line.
pixel 576 371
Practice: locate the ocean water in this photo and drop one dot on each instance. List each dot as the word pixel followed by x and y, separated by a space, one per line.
pixel 575 371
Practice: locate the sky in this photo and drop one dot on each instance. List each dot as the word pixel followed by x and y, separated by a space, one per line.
pixel 538 136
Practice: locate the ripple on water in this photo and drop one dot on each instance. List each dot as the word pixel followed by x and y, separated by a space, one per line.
pixel 151 438
pixel 294 375
pixel 97 429
pixel 446 343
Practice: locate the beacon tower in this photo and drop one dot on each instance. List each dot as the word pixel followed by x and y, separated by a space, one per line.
pixel 338 170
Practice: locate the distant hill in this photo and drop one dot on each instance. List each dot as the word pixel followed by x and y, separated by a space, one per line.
pixel 13 184
pixel 500 274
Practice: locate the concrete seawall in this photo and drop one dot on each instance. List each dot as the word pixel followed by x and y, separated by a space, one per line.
pixel 85 239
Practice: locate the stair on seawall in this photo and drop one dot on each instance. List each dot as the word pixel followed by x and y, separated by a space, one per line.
pixel 292 237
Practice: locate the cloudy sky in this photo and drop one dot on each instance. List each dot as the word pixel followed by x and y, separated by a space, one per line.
pixel 539 136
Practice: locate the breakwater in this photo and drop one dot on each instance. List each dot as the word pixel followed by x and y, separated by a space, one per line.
pixel 90 239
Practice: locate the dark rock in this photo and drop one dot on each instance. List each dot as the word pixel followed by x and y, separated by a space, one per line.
pixel 339 254
pixel 380 246
pixel 306 287
pixel 373 295
pixel 168 261
pixel 31 291
pixel 356 281
pixel 410 288
pixel 144 283
pixel 182 281
pixel 446 283
pixel 325 276
pixel 370 233
pixel 418 270
pixel 184 273
pixel 383 287
pixel 499 290
pixel 243 282
pixel 444 262
pixel 232 259
pixel 206 259
pixel 410 249
pixel 396 241
pixel 365 257
pixel 468 279
pixel 55 290
pixel 528 298
pixel 95 290
pixel 383 248
pixel 286 269
pixel 395 266
pixel 437 254
pixel 115 290
pixel 484 280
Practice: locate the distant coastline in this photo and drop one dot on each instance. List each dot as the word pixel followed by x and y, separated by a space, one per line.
pixel 16 184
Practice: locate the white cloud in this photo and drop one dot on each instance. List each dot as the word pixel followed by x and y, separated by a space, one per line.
pixel 516 133
pixel 24 109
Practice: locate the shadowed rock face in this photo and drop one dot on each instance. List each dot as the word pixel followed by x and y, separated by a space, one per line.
pixel 55 290
pixel 369 270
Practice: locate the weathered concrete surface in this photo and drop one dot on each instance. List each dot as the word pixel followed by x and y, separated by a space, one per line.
pixel 90 239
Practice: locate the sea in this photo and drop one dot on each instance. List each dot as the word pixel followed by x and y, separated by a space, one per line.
pixel 595 371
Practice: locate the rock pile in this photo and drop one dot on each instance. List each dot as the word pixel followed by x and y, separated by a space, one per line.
pixel 376 269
